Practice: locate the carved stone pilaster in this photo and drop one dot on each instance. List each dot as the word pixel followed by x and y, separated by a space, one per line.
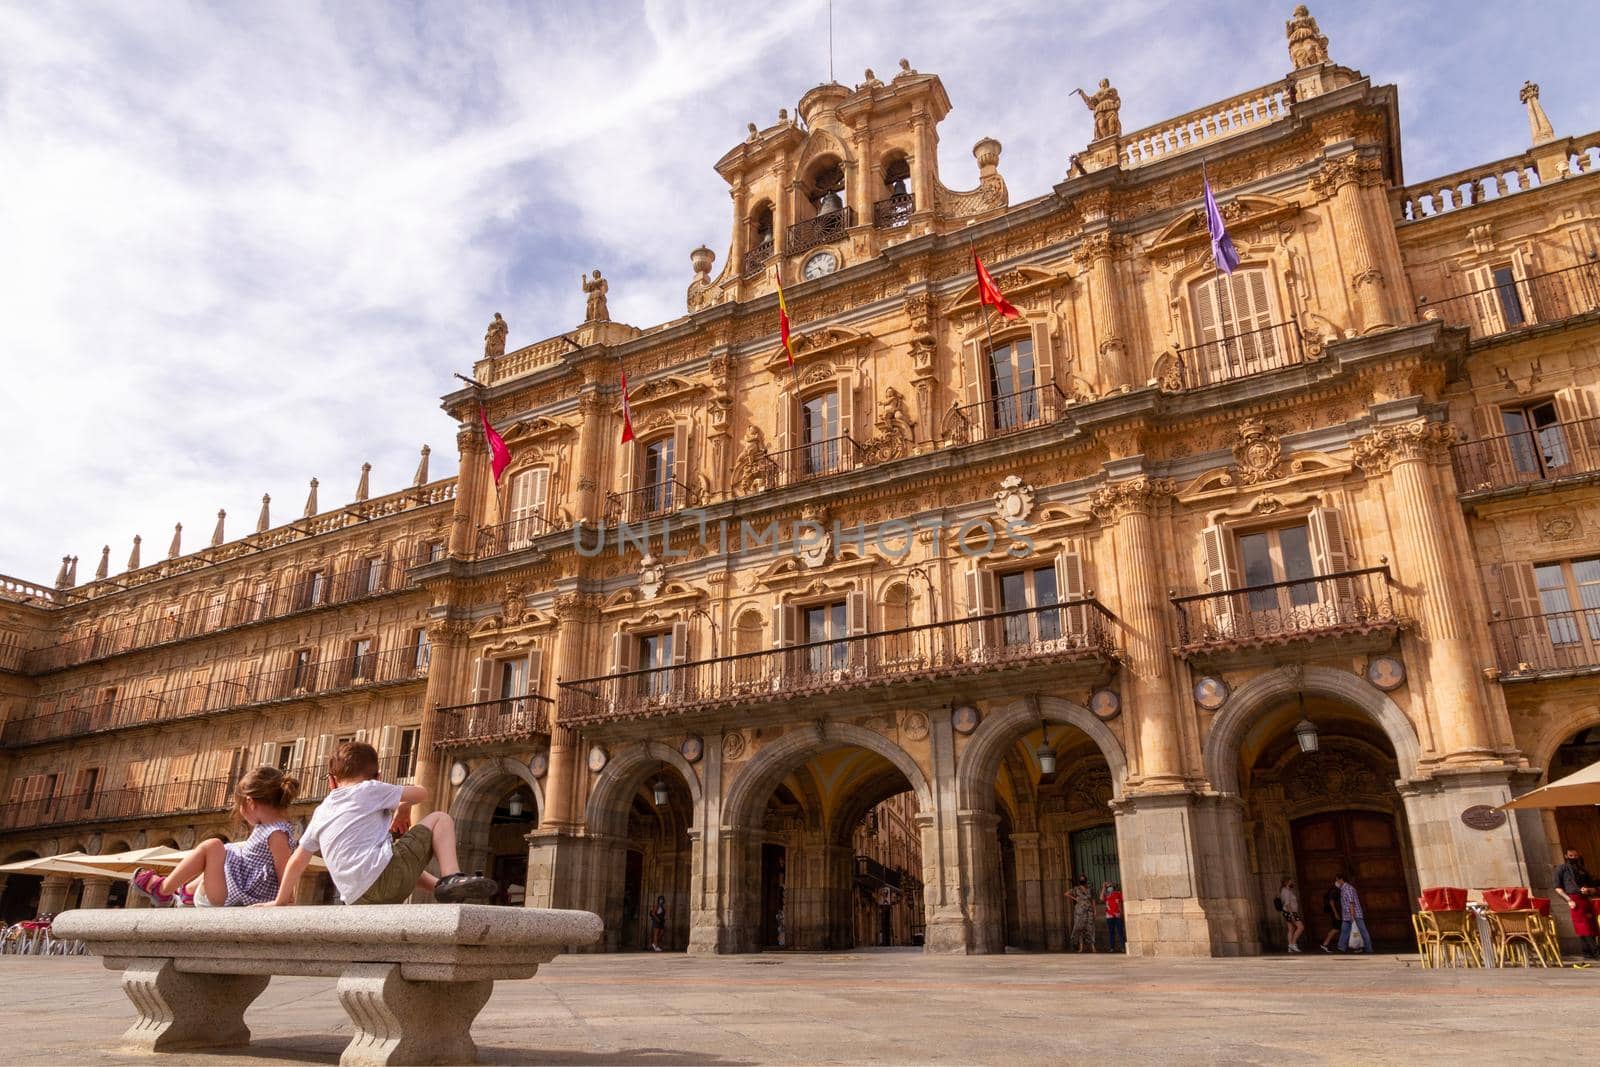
pixel 1344 170
pixel 576 607
pixel 469 441
pixel 1112 501
pixel 1421 439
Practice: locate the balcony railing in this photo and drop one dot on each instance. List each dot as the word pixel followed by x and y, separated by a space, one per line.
pixel 309 593
pixel 1241 355
pixel 804 236
pixel 1547 454
pixel 1076 631
pixel 1521 303
pixel 894 212
pixel 817 459
pixel 756 258
pixel 1554 641
pixel 489 721
pixel 1357 600
pixel 350 671
pixel 1009 413
pixel 190 796
pixel 647 502
pixel 512 536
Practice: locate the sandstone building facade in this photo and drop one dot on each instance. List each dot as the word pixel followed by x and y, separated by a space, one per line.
pixel 1185 581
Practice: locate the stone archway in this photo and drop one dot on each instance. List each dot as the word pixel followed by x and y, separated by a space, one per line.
pixel 20 898
pixel 609 800
pixel 474 805
pixel 975 772
pixel 747 796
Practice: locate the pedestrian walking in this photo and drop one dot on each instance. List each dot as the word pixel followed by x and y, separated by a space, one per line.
pixel 1330 910
pixel 1082 914
pixel 1116 925
pixel 658 923
pixel 1578 888
pixel 1351 916
pixel 1288 902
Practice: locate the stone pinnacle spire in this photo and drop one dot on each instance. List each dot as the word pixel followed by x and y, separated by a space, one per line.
pixel 311 500
pixel 264 520
pixel 216 535
pixel 422 468
pixel 72 572
pixel 175 549
pixel 104 570
pixel 362 491
pixel 61 575
pixel 133 557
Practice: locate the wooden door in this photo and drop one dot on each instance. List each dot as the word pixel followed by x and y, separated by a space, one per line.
pixel 1364 846
pixel 773 865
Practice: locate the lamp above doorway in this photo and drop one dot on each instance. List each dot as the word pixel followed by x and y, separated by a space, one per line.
pixel 659 792
pixel 515 807
pixel 1046 754
pixel 1305 731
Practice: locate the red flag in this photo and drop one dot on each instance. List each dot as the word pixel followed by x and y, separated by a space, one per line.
pixel 989 293
pixel 627 412
pixel 783 319
pixel 499 454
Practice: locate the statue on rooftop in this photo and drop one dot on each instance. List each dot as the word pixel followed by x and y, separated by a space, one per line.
pixel 494 342
pixel 1307 45
pixel 1538 121
pixel 595 310
pixel 1105 104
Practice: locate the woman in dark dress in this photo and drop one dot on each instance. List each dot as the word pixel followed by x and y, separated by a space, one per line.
pixel 1330 908
pixel 658 922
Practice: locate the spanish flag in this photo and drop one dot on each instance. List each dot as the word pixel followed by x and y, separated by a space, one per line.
pixel 499 454
pixel 627 412
pixel 783 319
pixel 989 294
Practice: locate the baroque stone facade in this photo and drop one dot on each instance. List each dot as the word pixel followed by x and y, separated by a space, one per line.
pixel 1031 599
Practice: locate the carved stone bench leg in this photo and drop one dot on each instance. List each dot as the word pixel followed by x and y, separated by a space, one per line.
pixel 402 1022
pixel 187 1011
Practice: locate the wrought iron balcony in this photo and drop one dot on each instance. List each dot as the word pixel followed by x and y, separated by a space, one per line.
pixel 293 682
pixel 818 459
pixel 1349 603
pixel 189 796
pixel 1240 355
pixel 1521 303
pixel 647 502
pixel 1010 413
pixel 513 536
pixel 491 721
pixel 894 212
pixel 756 258
pixel 913 658
pixel 804 236
pixel 1548 454
pixel 1552 643
pixel 310 592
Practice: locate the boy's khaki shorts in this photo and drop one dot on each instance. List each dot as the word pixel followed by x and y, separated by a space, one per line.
pixel 412 851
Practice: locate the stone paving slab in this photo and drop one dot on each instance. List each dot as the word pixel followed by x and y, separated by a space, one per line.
pixel 886 1007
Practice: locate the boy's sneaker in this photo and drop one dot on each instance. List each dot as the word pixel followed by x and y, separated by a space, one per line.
pixel 460 888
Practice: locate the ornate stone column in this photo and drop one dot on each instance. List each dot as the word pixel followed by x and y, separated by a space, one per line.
pixel 951 868
pixel 1096 255
pixel 1342 179
pixel 592 430
pixel 464 517
pixel 1030 885
pixel 96 893
pixel 1143 609
pixel 53 894
pixel 447 669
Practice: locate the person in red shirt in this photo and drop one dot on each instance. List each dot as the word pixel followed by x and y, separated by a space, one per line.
pixel 1116 928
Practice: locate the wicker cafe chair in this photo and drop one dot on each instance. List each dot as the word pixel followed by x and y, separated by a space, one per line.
pixel 1454 935
pixel 1516 934
pixel 1427 940
pixel 1549 938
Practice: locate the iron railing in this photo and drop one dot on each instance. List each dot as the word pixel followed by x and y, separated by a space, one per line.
pixel 1013 412
pixel 1546 454
pixel 1075 631
pixel 756 258
pixel 189 796
pixel 311 591
pixel 804 236
pixel 488 721
pixel 818 459
pixel 1241 355
pixel 894 212
pixel 1521 303
pixel 1347 600
pixel 295 681
pixel 647 502
pixel 1554 641
pixel 513 536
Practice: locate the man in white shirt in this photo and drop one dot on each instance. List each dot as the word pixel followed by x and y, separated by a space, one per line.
pixel 351 831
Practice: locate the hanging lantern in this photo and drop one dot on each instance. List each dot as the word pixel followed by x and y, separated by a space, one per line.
pixel 1305 731
pixel 1046 754
pixel 659 790
pixel 515 807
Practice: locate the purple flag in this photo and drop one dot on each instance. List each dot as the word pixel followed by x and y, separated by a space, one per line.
pixel 1222 250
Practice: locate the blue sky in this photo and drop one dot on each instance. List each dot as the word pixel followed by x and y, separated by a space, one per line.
pixel 245 245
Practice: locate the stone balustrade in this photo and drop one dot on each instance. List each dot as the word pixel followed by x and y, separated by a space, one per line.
pixel 1214 122
pixel 1496 180
pixel 545 353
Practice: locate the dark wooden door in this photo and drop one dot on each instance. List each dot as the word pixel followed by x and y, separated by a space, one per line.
pixel 1364 846
pixel 772 877
pixel 634 935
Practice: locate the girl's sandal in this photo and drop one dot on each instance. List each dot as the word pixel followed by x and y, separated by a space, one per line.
pixel 148 882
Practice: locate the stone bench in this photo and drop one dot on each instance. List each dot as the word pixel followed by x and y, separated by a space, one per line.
pixel 412 977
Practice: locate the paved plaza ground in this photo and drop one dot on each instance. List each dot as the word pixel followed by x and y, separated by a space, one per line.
pixel 891 1007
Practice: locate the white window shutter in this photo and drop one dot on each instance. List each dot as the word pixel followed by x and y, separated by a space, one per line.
pixel 847 418
pixel 1330 549
pixel 1044 369
pixel 975 375
pixel 1070 587
pixel 481 668
pixel 361 735
pixel 388 740
pixel 786 435
pixel 620 642
pixel 297 757
pixel 1521 269
pixel 781 636
pixel 1222 574
pixel 856 611
pixel 681 441
pixel 1480 282
pixel 267 754
pixel 680 642
pixel 324 752
pixel 535 670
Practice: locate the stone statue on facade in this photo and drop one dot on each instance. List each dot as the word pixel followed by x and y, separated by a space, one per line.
pixel 1538 121
pixel 754 469
pixel 892 438
pixel 1105 104
pixel 1307 45
pixel 595 310
pixel 494 342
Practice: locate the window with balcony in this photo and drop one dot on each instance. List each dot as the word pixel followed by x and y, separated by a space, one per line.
pixel 260 601
pixel 654 654
pixel 1237 332
pixel 1277 554
pixel 656 482
pixel 761 247
pixel 433 551
pixel 421 649
pixel 362 659
pixel 825 623
pixel 372 573
pixel 88 786
pixel 511 679
pixel 285 756
pixel 1535 440
pixel 1552 617
pixel 300 669
pixel 1013 386
pixel 819 433
pixel 316 589
pixel 1507 297
pixel 406 760
pixel 526 503
pixel 1021 590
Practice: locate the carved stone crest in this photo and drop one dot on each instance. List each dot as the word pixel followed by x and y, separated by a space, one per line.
pixel 754 469
pixel 813 541
pixel 1014 502
pixel 512 608
pixel 1257 452
pixel 652 572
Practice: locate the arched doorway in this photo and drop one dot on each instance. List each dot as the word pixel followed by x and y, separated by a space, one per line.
pixel 495 810
pixel 1577 827
pixel 1317 779
pixel 20 899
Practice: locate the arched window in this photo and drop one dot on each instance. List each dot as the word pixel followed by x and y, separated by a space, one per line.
pixel 1013 385
pixel 894 210
pixel 826 188
pixel 1235 326
pixel 760 250
pixel 894 614
pixel 747 670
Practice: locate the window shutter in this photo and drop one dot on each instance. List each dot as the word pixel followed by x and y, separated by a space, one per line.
pixel 847 419
pixel 1525 631
pixel 535 669
pixel 1330 549
pixel 540 493
pixel 388 739
pixel 297 757
pixel 1521 268
pixel 1480 282
pixel 782 634
pixel 856 612
pixel 1577 433
pixel 1222 574
pixel 361 735
pixel 481 668
pixel 1070 587
pixel 1044 370
pixel 680 466
pixel 980 601
pixel 680 642
pixel 974 378
pixel 621 642
pixel 267 754
pixel 324 752
pixel 629 459
pixel 788 413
